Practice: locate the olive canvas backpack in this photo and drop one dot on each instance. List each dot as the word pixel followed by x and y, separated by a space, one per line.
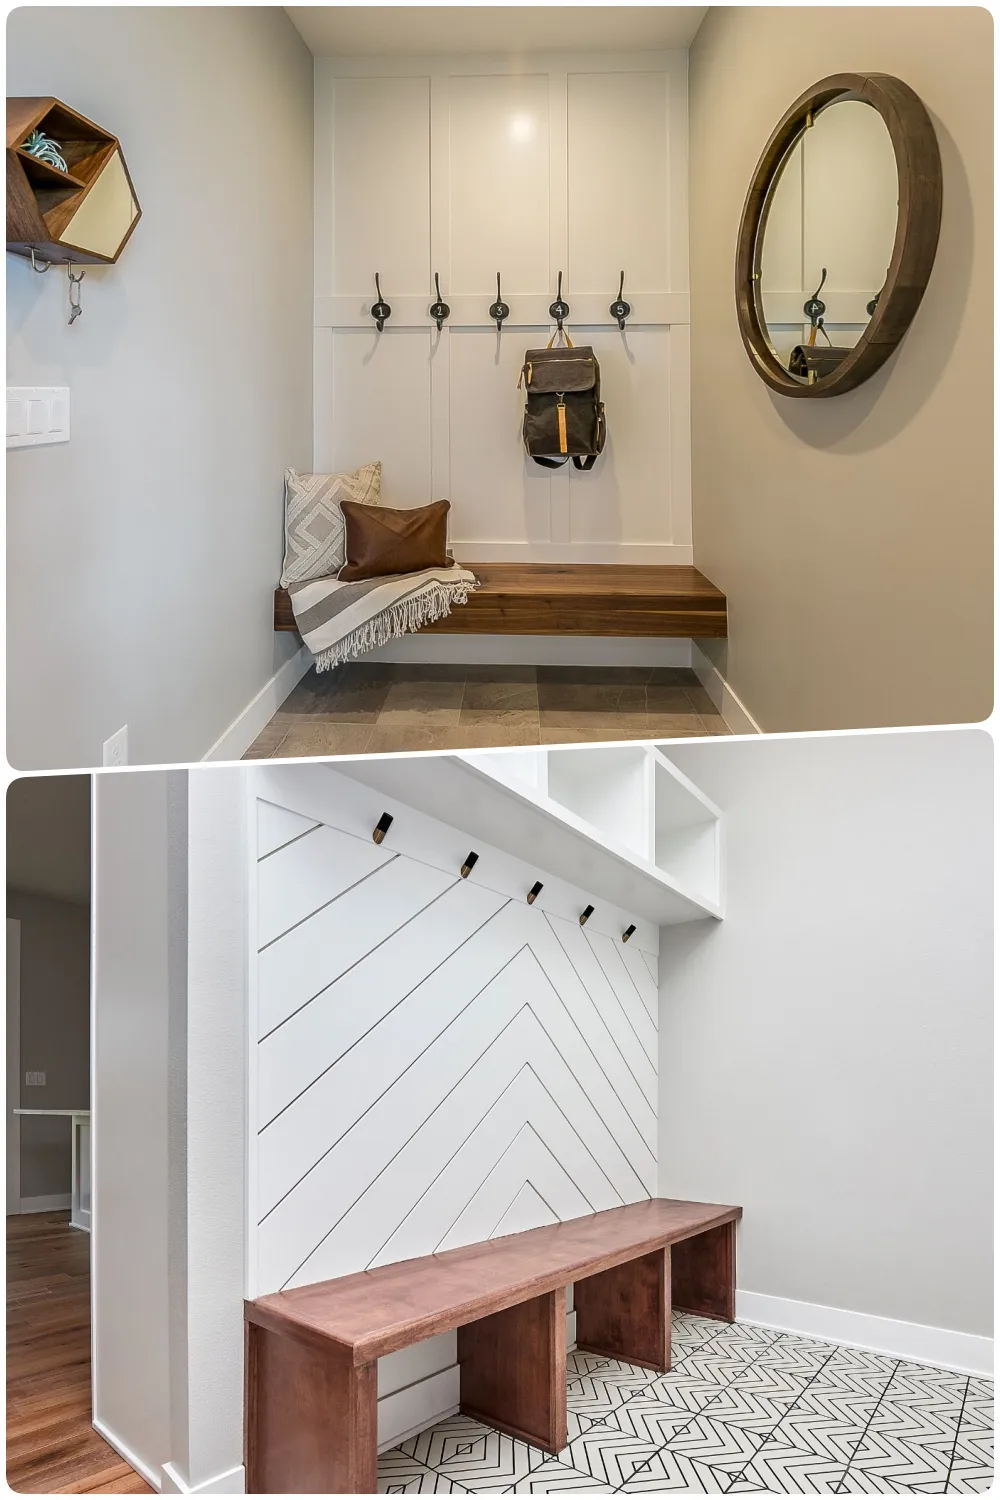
pixel 563 411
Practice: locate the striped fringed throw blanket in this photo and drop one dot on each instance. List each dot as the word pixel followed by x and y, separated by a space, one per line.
pixel 340 621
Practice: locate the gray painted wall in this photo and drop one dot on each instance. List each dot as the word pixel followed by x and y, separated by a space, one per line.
pixel 826 1051
pixel 142 554
pixel 55 1032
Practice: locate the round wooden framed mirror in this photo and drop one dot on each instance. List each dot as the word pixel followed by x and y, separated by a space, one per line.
pixel 838 235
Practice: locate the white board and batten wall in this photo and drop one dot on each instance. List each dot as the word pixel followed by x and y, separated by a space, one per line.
pixel 433 1062
pixel 471 165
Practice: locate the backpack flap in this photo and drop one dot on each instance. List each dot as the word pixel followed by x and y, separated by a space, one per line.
pixel 556 371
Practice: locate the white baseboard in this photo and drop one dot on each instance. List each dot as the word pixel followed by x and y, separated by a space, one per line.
pixel 47 1203
pixel 151 1475
pixel 970 1353
pixel 539 650
pixel 232 1482
pixel 736 714
pixel 247 726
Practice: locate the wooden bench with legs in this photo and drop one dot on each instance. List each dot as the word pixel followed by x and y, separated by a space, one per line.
pixel 311 1353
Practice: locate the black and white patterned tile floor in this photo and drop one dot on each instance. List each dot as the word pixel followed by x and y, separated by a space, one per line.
pixel 743 1409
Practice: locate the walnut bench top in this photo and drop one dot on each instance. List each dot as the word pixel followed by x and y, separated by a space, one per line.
pixel 371 1313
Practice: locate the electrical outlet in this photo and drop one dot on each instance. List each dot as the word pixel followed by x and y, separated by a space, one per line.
pixel 116 748
pixel 34 1080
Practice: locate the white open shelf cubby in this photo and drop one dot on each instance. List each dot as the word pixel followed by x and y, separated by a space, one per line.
pixel 632 799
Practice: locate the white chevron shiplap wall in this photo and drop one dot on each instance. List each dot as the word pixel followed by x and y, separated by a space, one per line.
pixel 436 1061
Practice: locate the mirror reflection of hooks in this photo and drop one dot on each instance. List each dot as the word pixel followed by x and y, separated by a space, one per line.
pixel 620 309
pixel 559 310
pixel 499 310
pixel 380 310
pixel 814 308
pixel 439 310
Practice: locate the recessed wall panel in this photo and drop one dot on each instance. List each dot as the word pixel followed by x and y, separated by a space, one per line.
pixel 497 493
pixel 381 410
pixel 618 181
pixel 498 188
pixel 626 497
pixel 381 185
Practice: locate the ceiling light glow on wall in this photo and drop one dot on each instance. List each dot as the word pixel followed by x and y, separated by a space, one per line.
pixel 521 129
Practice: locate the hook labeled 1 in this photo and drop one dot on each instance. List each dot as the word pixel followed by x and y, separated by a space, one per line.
pixel 380 310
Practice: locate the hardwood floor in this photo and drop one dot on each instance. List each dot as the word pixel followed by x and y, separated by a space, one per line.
pixel 51 1446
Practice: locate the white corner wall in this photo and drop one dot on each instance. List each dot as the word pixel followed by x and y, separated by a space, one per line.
pixel 143 553
pixel 433 1062
pixel 825 1053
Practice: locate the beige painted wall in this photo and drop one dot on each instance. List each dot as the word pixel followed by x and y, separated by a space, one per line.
pixel 142 554
pixel 853 536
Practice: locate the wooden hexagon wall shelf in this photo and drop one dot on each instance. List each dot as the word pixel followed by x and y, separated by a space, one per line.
pixel 84 215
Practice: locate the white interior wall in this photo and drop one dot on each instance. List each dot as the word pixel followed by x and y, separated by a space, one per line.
pixel 825 1053
pixel 434 1062
pixel 142 554
pixel 528 166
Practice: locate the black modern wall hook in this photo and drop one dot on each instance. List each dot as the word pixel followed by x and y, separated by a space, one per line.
pixel 585 915
pixel 628 933
pixel 382 828
pixel 620 309
pixel 534 893
pixel 439 310
pixel 380 310
pixel 559 309
pixel 499 310
pixel 470 859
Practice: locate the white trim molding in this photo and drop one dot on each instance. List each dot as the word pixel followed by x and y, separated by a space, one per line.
pixel 733 710
pixel 233 1482
pixel 247 725
pixel 970 1353
pixel 150 1475
pixel 47 1203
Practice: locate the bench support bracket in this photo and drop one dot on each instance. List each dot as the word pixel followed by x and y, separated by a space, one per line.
pixel 625 1312
pixel 513 1370
pixel 704 1271
pixel 311 1418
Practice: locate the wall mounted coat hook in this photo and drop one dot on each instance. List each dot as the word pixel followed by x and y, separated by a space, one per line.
pixel 815 307
pixel 470 860
pixel 499 310
pixel 74 293
pixel 439 310
pixel 585 915
pixel 620 309
pixel 36 265
pixel 382 828
pixel 535 891
pixel 559 310
pixel 628 933
pixel 380 310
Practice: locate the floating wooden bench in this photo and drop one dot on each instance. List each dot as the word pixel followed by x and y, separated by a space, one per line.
pixel 311 1386
pixel 576 599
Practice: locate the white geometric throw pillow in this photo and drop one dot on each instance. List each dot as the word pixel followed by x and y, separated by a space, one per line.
pixel 314 522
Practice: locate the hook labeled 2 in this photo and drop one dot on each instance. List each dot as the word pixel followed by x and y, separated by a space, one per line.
pixel 439 310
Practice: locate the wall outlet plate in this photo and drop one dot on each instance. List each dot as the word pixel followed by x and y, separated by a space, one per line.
pixel 34 1080
pixel 37 414
pixel 116 748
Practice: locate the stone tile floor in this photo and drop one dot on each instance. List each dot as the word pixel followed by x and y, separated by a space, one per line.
pixel 365 708
pixel 743 1409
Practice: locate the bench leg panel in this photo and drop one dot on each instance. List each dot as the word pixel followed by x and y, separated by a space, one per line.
pixel 513 1370
pixel 310 1419
pixel 625 1312
pixel 705 1274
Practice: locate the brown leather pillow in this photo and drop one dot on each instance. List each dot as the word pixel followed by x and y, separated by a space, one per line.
pixel 382 541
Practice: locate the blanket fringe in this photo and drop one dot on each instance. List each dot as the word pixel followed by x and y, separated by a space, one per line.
pixel 433 602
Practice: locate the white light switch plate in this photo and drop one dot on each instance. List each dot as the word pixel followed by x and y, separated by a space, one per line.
pixel 37 414
pixel 34 1080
